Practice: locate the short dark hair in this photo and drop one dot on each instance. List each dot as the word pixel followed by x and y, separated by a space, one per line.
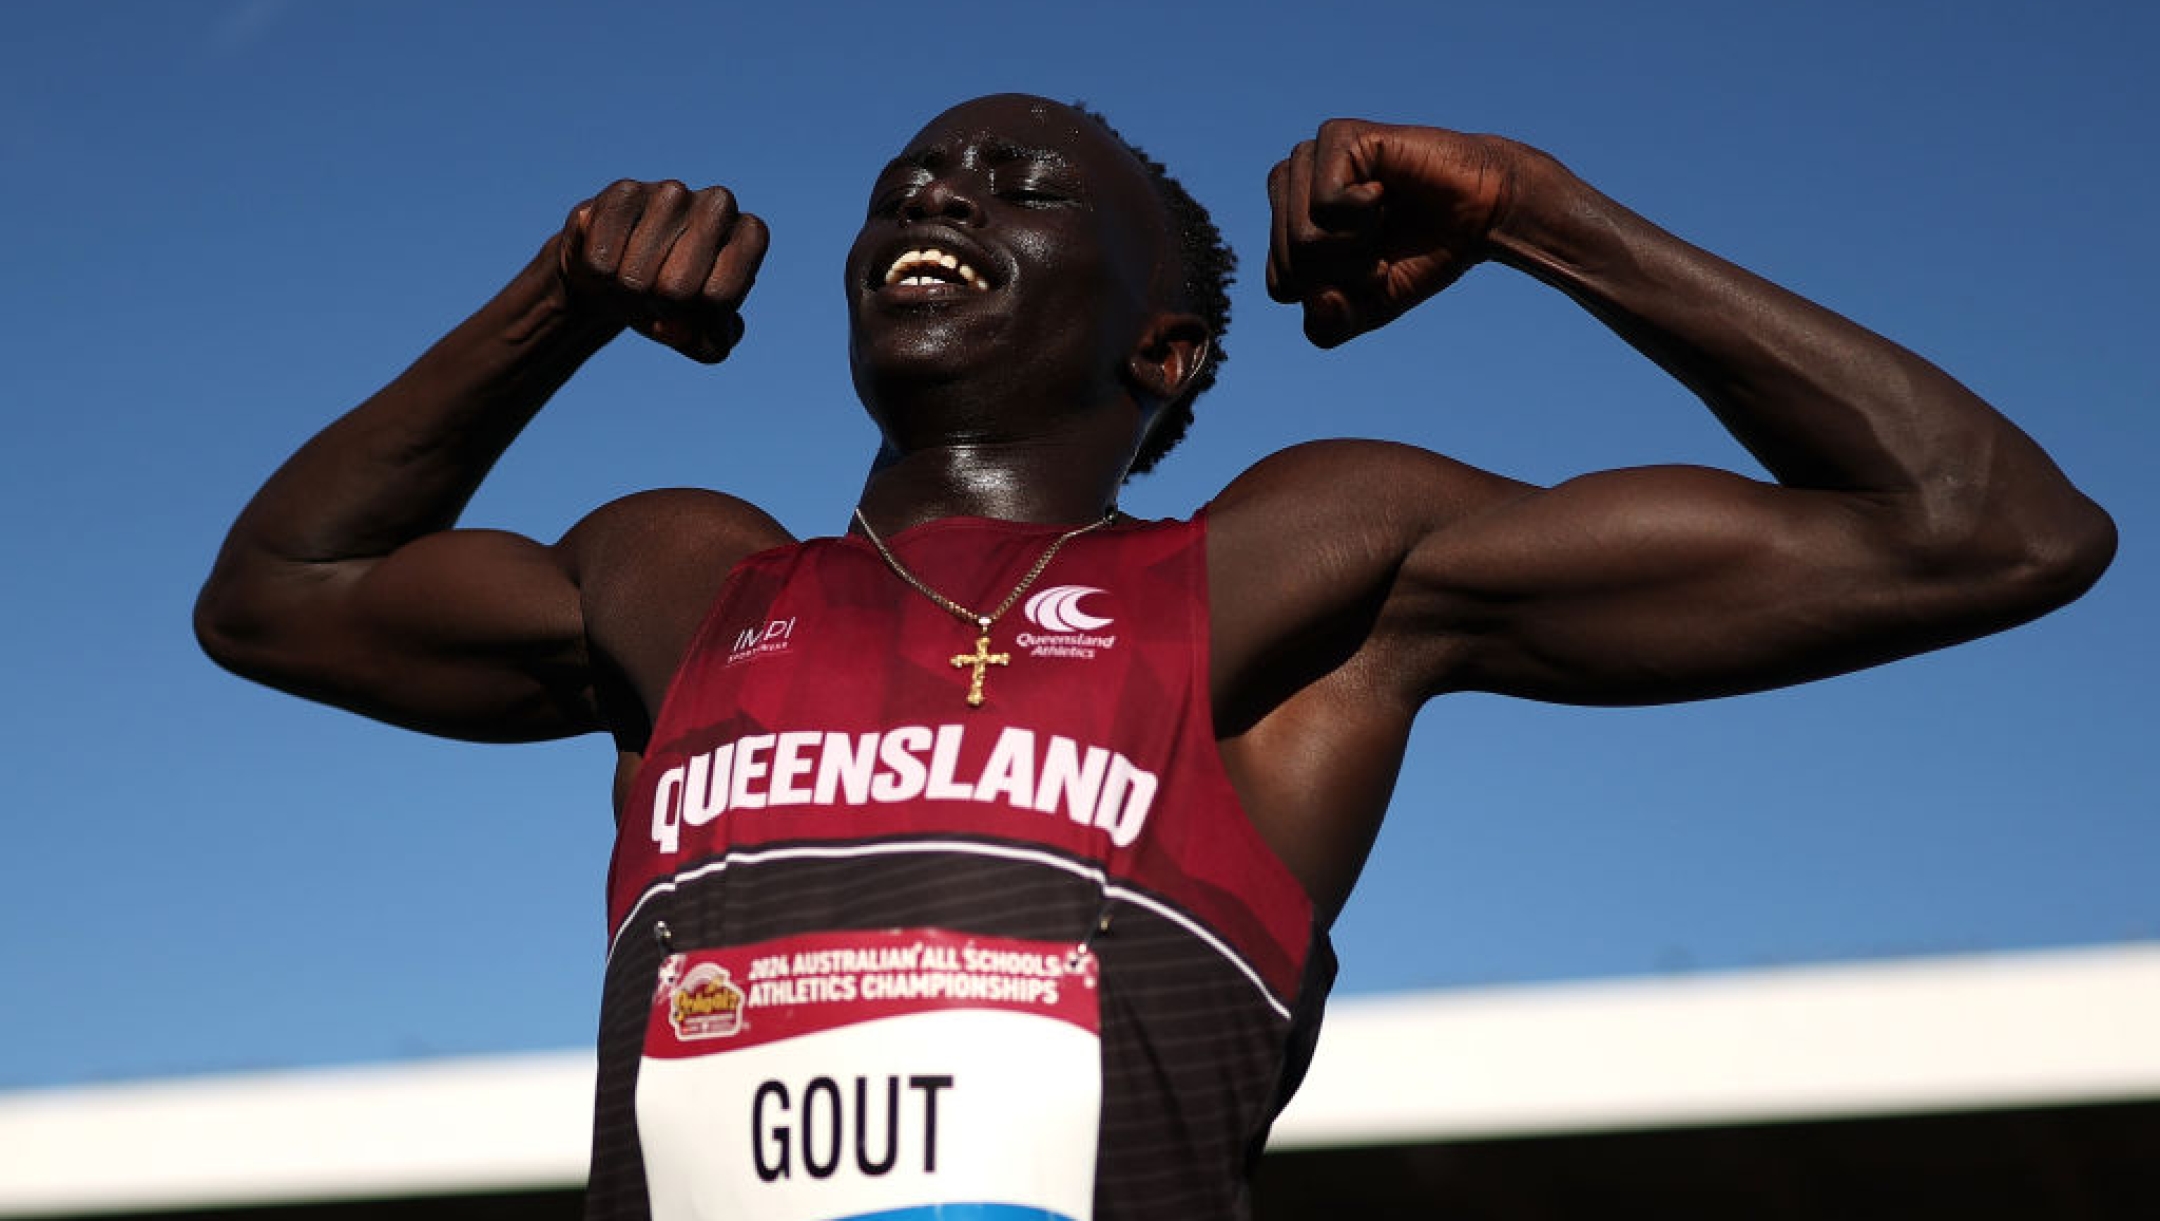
pixel 1210 266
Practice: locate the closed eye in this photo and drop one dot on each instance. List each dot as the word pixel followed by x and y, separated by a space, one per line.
pixel 1037 197
pixel 1038 185
pixel 889 196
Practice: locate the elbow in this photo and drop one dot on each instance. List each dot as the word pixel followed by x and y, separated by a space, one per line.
pixel 2028 562
pixel 221 625
pixel 235 625
pixel 2069 556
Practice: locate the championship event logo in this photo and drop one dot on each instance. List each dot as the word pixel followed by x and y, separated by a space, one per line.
pixel 704 1004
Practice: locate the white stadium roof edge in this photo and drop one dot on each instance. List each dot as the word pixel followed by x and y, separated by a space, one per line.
pixel 1977 1032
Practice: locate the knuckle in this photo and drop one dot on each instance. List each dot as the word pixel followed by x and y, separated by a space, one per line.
pixel 677 287
pixel 591 255
pixel 713 203
pixel 723 292
pixel 749 238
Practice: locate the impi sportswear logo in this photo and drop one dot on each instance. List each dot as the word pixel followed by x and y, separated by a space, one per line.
pixel 1071 630
pixel 773 637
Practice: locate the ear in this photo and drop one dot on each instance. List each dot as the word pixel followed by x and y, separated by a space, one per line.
pixel 1170 354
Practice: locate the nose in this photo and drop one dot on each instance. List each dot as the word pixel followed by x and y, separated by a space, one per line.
pixel 942 198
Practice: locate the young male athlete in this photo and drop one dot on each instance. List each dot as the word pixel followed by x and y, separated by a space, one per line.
pixel 982 857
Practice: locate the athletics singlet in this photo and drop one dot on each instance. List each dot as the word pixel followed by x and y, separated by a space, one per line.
pixel 880 954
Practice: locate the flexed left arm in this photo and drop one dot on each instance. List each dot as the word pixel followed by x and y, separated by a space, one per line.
pixel 1907 513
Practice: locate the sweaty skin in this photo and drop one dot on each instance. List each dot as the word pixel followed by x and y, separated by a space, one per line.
pixel 1351 581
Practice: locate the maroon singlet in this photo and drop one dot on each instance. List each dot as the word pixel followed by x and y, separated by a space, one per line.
pixel 877 952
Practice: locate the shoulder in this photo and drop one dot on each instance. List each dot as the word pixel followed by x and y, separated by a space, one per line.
pixel 647 568
pixel 1331 456
pixel 1307 559
pixel 1356 500
pixel 665 525
pixel 699 508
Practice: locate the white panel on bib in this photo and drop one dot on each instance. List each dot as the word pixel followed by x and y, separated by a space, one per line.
pixel 890 1074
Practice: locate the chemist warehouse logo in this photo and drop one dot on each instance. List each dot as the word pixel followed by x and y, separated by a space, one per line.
pixel 1068 629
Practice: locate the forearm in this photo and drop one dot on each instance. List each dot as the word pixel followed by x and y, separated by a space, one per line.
pixel 404 462
pixel 1823 403
pixel 342 580
pixel 1911 515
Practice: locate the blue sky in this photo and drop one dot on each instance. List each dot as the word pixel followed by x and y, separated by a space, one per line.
pixel 226 222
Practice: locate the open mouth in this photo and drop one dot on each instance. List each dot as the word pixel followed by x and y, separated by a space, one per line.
pixel 931 267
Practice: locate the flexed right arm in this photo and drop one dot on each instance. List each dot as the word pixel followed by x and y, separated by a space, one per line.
pixel 343 581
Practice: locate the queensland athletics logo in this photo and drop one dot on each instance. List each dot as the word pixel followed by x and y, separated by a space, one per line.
pixel 1069 628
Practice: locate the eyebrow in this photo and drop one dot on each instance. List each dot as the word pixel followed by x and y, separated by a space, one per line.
pixel 995 151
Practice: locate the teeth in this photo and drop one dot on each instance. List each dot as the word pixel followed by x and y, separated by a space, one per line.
pixel 908 268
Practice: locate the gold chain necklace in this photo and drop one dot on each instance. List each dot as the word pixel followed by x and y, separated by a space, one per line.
pixel 982 658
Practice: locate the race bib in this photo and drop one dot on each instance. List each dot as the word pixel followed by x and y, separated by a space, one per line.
pixel 894 1074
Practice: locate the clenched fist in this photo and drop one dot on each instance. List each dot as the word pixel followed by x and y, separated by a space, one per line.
pixel 1371 219
pixel 670 263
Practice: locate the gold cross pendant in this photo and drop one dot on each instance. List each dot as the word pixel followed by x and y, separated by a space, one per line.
pixel 982 658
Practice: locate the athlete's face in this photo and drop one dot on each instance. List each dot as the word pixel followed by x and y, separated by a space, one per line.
pixel 1012 239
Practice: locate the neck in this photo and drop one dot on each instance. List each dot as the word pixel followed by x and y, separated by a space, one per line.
pixel 1045 484
pixel 1067 478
